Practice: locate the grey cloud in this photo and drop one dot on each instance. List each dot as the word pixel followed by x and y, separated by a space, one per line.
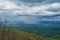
pixel 34 2
pixel 27 2
pixel 49 11
pixel 11 17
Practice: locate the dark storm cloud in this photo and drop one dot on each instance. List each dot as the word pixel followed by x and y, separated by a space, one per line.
pixel 51 1
pixel 37 1
pixel 54 10
pixel 30 1
pixel 33 1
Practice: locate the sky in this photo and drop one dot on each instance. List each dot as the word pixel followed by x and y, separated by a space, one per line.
pixel 30 11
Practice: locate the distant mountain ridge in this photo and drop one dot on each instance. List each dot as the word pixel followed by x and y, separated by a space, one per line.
pixel 40 22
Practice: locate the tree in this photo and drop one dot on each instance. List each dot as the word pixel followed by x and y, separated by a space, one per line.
pixel 1 23
pixel 5 22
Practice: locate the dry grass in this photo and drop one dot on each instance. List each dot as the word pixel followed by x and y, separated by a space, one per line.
pixel 13 34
